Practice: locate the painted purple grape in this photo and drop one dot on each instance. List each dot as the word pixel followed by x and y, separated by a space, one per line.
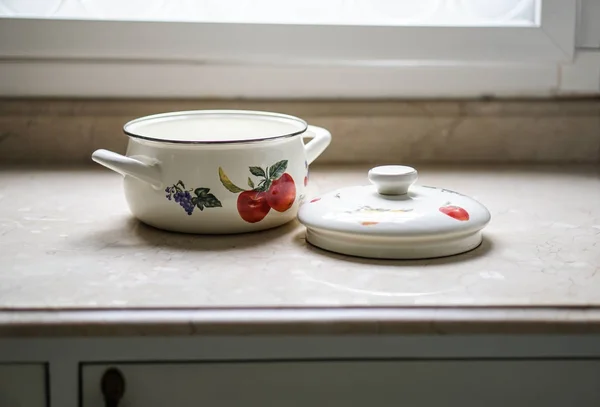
pixel 185 200
pixel 200 198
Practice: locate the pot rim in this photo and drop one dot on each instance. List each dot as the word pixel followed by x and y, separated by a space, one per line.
pixel 223 112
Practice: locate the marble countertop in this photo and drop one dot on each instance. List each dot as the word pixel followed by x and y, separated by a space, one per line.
pixel 72 256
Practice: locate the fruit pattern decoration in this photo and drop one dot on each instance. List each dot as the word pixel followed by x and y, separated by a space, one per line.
pixel 201 198
pixel 448 209
pixel 275 190
pixel 453 211
pixel 306 176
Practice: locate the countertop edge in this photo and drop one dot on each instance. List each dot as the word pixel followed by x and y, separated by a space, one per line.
pixel 300 321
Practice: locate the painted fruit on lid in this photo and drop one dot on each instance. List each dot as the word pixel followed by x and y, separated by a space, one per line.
pixel 394 218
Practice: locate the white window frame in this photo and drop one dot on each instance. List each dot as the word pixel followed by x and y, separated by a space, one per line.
pixel 156 59
pixel 553 39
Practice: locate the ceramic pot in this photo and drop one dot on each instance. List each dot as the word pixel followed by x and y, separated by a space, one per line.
pixel 217 171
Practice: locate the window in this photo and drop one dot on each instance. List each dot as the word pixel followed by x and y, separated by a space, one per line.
pixel 292 48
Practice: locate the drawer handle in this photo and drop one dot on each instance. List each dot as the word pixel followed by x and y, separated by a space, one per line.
pixel 113 387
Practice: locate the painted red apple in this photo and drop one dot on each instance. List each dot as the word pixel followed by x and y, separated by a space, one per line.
pixel 274 189
pixel 455 212
pixel 252 206
pixel 282 193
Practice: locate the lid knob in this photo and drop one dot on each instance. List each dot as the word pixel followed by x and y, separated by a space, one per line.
pixel 392 179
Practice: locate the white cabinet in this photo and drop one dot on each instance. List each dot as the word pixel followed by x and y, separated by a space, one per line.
pixel 22 385
pixel 490 383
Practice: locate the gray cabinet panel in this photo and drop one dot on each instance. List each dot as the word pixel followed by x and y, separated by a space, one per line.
pixel 491 383
pixel 22 385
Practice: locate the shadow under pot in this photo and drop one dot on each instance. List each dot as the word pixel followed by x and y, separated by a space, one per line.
pixel 216 171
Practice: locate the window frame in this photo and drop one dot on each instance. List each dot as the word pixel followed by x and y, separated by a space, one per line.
pixel 168 59
pixel 553 40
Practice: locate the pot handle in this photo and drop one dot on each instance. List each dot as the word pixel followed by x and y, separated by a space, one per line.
pixel 129 166
pixel 320 140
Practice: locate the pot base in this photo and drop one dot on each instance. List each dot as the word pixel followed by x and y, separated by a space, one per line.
pixel 197 229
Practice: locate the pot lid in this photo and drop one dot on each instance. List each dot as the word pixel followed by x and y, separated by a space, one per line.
pixel 393 218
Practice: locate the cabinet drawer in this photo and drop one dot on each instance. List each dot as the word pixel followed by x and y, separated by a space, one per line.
pixel 353 383
pixel 23 385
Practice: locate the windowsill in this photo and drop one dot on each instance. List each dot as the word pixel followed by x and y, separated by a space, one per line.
pixel 119 78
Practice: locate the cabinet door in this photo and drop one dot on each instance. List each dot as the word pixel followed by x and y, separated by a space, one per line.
pixel 356 383
pixel 22 385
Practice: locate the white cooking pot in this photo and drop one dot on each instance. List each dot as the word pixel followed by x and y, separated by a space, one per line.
pixel 216 171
